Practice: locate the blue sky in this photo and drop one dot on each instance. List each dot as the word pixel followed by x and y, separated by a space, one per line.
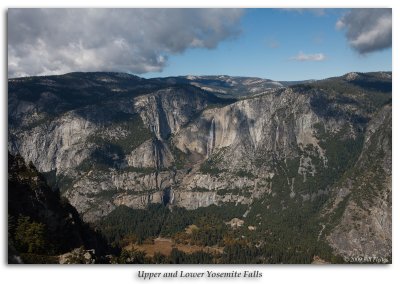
pixel 278 44
pixel 269 40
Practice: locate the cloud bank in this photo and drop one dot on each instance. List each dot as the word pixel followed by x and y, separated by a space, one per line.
pixel 55 41
pixel 367 30
pixel 309 57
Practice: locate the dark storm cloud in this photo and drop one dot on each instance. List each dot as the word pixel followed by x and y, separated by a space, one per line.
pixel 367 30
pixel 53 41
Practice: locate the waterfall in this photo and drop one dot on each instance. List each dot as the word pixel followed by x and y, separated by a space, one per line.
pixel 172 194
pixel 211 139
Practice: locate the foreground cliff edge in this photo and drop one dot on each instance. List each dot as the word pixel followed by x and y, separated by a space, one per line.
pixel 228 169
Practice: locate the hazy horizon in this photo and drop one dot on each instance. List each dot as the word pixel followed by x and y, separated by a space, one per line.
pixel 205 75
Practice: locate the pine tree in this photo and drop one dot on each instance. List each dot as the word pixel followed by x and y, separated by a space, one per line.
pixel 30 236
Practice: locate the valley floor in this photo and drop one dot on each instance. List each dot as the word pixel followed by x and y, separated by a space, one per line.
pixel 165 246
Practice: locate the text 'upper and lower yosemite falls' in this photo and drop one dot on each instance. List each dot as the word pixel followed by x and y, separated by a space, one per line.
pixel 195 275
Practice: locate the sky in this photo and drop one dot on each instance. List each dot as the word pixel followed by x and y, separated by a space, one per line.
pixel 278 44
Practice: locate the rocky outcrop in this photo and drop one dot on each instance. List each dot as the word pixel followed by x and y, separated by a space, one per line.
pixel 58 144
pixel 151 154
pixel 78 256
pixel 98 193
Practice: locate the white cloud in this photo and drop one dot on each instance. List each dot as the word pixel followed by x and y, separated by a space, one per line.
pixel 367 30
pixel 309 57
pixel 54 41
pixel 340 24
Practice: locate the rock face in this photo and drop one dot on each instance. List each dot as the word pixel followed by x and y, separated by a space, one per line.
pixel 167 110
pixel 364 230
pixel 277 123
pixel 111 139
pixel 61 143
